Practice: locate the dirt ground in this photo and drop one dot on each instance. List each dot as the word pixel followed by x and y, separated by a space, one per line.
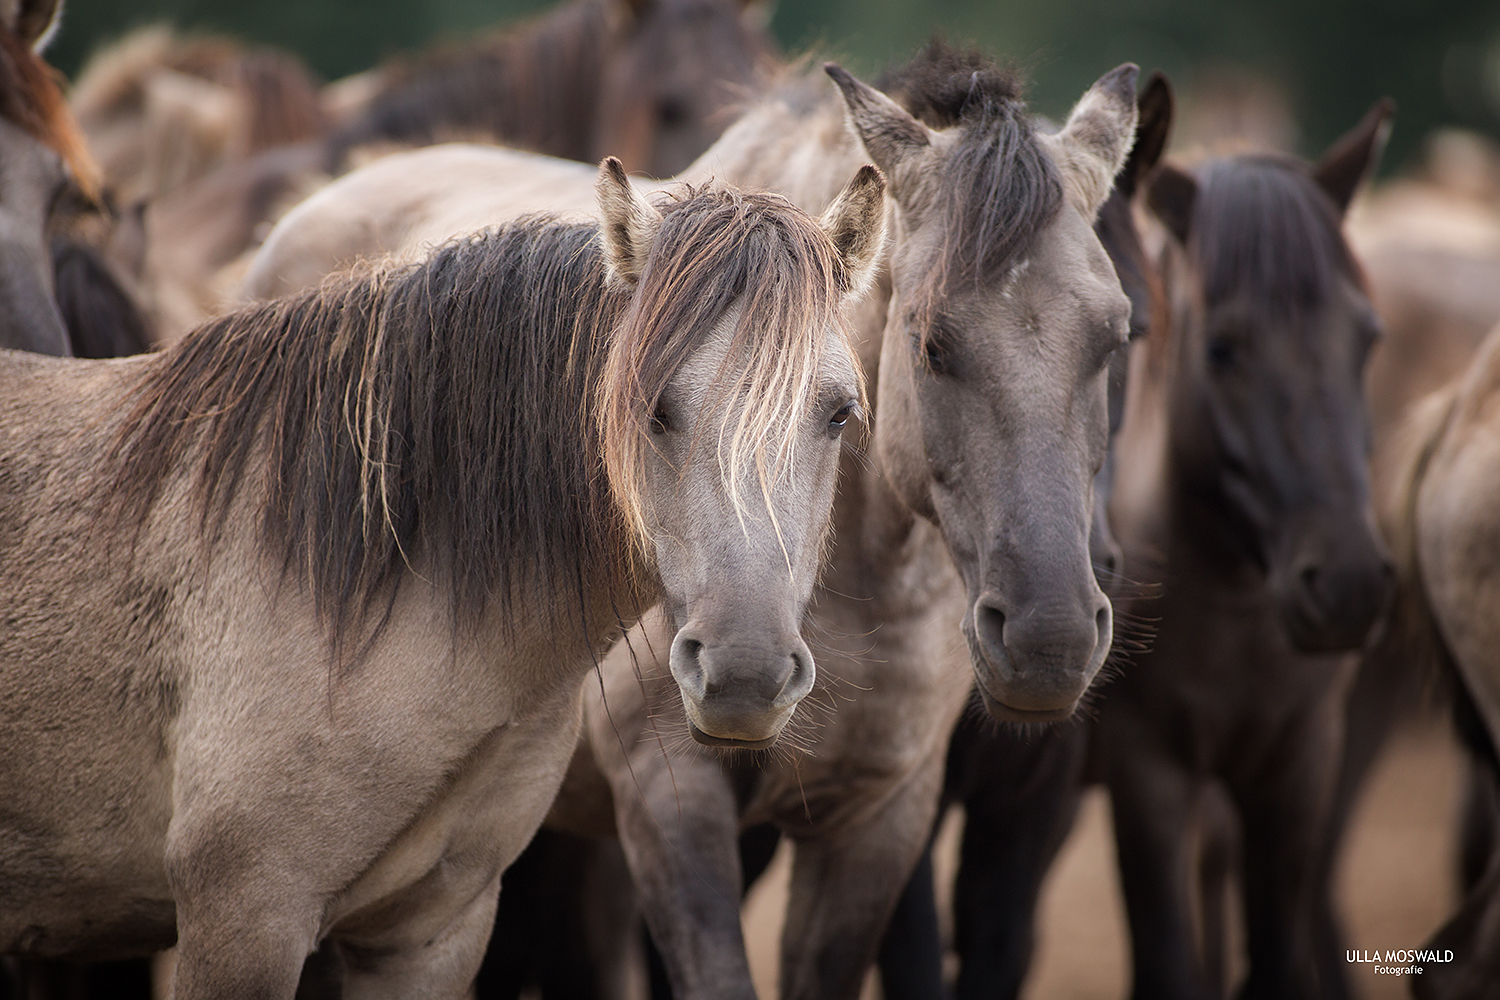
pixel 1396 882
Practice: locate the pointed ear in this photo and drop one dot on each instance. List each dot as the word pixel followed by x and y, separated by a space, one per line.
pixel 1355 156
pixel 628 223
pixel 856 224
pixel 1092 146
pixel 893 138
pixel 1153 128
pixel 32 21
pixel 1171 196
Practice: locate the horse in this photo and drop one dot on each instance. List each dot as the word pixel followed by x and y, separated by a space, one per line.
pixel 1020 790
pixel 1444 541
pixel 991 220
pixel 47 163
pixel 162 110
pixel 1431 249
pixel 648 81
pixel 300 607
pixel 1244 495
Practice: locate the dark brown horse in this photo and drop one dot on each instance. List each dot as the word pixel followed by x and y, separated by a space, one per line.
pixel 1244 494
pixel 649 81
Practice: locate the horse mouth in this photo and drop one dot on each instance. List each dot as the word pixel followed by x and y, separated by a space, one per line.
pixel 1005 713
pixel 729 742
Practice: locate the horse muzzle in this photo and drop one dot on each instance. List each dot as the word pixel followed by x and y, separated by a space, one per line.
pixel 737 692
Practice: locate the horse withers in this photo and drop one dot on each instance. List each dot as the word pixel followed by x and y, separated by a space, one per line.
pixel 300 607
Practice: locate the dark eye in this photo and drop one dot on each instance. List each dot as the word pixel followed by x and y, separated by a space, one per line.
pixel 841 417
pixel 670 111
pixel 1222 353
pixel 930 350
pixel 660 423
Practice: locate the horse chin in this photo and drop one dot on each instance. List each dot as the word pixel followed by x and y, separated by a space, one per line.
pixel 1314 633
pixel 1002 712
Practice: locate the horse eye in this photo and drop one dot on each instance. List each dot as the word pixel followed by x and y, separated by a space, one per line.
pixel 841 416
pixel 660 423
pixel 1221 353
pixel 671 111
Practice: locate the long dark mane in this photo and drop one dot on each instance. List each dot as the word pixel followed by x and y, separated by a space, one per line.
pixel 998 188
pixel 536 86
pixel 461 413
pixel 1262 226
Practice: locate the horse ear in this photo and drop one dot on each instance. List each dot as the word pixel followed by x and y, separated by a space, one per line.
pixel 1171 196
pixel 1092 146
pixel 856 224
pixel 1153 127
pixel 1355 156
pixel 893 138
pixel 629 223
pixel 34 22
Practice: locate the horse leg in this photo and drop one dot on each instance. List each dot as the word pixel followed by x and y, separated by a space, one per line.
pixel 1283 809
pixel 845 884
pixel 1016 822
pixel 680 831
pixel 911 952
pixel 1153 799
pixel 250 943
pixel 1384 686
pixel 440 967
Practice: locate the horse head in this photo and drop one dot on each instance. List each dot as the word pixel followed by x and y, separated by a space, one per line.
pixel 1273 326
pixel 726 442
pixel 1005 316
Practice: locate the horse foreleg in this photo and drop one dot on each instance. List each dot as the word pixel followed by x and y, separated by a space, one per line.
pixel 1153 798
pixel 1016 822
pixel 679 827
pixel 1283 808
pixel 845 884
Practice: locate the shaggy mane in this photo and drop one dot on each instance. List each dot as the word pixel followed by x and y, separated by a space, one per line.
pixel 482 413
pixel 998 187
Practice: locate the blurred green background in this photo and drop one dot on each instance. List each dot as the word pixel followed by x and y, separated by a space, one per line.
pixel 1330 59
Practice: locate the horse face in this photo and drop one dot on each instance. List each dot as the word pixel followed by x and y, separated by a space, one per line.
pixel 737 571
pixel 998 419
pixel 32 181
pixel 1272 424
pixel 670 93
pixel 993 397
pixel 738 473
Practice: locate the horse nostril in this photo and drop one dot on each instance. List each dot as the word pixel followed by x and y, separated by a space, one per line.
pixel 1103 623
pixel 1309 579
pixel 990 621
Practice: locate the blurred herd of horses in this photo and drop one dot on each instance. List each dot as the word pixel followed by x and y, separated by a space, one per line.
pixel 879 447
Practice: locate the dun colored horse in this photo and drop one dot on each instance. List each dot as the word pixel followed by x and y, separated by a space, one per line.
pixel 1447 541
pixel 49 277
pixel 1020 789
pixel 299 608
pixel 649 81
pixel 974 429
